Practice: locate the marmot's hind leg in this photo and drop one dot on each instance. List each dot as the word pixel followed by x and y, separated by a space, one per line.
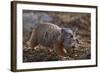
pixel 31 45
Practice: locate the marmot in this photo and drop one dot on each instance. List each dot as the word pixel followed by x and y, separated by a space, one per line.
pixel 52 36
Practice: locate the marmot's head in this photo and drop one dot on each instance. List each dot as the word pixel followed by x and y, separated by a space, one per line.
pixel 69 38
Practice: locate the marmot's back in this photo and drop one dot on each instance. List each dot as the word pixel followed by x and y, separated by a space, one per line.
pixel 47 34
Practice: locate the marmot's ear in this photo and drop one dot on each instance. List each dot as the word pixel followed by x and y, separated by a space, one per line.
pixel 63 30
pixel 63 33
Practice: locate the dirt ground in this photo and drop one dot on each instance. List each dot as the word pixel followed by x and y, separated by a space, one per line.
pixel 71 20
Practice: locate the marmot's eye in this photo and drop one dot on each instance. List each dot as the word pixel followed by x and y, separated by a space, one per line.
pixel 71 36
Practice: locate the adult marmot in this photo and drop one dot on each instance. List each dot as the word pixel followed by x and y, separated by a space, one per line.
pixel 52 36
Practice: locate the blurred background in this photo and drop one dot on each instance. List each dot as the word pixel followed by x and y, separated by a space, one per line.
pixel 81 21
